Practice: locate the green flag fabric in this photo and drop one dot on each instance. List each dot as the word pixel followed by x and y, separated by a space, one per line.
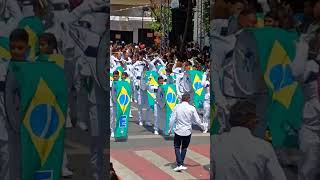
pixel 198 90
pixel 4 48
pixel 120 70
pixel 34 28
pixel 123 104
pixel 43 94
pixel 276 50
pixel 170 98
pixel 151 78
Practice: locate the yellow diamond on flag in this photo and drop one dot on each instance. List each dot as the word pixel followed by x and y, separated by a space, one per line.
pixel 43 120
pixel 197 86
pixel 33 39
pixel 153 95
pixel 123 99
pixel 171 98
pixel 153 82
pixel 58 59
pixel 278 75
pixel 4 53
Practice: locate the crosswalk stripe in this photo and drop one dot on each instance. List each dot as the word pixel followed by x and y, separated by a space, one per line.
pixel 139 165
pixel 194 168
pixel 198 158
pixel 123 171
pixel 163 164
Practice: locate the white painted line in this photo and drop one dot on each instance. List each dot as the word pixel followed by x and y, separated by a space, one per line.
pixel 199 158
pixel 124 172
pixel 152 136
pixel 163 164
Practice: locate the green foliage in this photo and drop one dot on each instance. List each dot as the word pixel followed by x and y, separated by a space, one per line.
pixel 156 25
pixel 206 16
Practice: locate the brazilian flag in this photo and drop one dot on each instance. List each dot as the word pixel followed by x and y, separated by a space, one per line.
pixel 276 50
pixel 34 28
pixel 120 70
pixel 170 98
pixel 151 77
pixel 260 20
pixel 4 48
pixel 58 59
pixel 214 123
pixel 123 104
pixel 161 70
pixel 198 95
pixel 43 108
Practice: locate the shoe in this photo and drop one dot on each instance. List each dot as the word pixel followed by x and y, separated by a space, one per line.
pixel 130 116
pixel 156 132
pixel 177 169
pixel 140 124
pixel 112 134
pixel 83 126
pixel 148 124
pixel 68 122
pixel 205 131
pixel 183 167
pixel 66 173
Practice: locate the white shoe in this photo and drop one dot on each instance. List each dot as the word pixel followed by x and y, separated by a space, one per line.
pixel 177 169
pixel 112 134
pixel 68 122
pixel 83 126
pixel 183 167
pixel 140 124
pixel 205 131
pixel 130 116
pixel 66 173
pixel 156 132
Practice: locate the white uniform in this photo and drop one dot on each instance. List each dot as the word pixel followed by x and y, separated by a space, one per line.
pixel 206 104
pixel 306 72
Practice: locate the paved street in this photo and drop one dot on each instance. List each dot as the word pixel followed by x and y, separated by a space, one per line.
pixel 147 156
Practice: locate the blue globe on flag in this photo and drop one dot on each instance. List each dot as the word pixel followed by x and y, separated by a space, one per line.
pixel 44 121
pixel 171 98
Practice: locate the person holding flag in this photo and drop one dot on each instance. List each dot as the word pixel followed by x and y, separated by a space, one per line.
pixel 113 101
pixel 121 97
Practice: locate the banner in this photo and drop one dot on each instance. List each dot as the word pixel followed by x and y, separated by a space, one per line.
pixel 151 78
pixel 198 90
pixel 43 108
pixel 34 28
pixel 276 50
pixel 168 94
pixel 123 105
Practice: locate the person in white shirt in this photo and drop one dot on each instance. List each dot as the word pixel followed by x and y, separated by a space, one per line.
pixel 240 155
pixel 183 115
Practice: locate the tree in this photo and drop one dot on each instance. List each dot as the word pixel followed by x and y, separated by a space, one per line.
pixel 156 14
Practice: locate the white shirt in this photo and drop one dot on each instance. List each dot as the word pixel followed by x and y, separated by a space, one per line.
pixel 183 115
pixel 239 155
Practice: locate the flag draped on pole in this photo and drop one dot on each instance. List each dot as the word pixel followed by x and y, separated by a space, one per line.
pixel 276 50
pixel 58 59
pixel 123 104
pixel 43 94
pixel 171 100
pixel 151 78
pixel 34 28
pixel 198 90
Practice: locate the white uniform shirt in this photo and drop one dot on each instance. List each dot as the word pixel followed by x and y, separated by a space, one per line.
pixel 183 115
pixel 239 155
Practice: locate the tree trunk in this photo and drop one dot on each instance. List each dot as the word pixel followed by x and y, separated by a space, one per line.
pixel 186 26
